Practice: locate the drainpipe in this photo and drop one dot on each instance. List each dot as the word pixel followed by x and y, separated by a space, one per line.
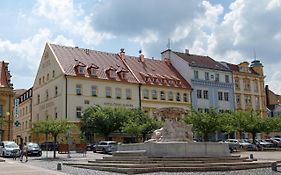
pixel 65 97
pixel 140 95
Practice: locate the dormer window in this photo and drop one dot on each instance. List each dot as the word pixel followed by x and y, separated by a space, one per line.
pixel 110 72
pixel 122 72
pixel 81 70
pixel 92 70
pixel 79 67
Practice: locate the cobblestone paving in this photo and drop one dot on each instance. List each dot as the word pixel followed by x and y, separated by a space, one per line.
pixel 52 165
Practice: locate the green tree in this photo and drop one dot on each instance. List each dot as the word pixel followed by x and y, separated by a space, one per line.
pixel 140 124
pixel 104 120
pixel 203 122
pixel 53 127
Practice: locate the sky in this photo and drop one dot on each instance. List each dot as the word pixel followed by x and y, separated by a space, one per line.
pixel 226 30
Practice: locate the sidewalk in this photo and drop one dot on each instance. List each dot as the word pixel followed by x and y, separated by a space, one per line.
pixel 15 167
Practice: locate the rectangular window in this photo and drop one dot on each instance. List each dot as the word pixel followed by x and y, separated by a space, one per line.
pixel 128 94
pixel 56 91
pixel 237 85
pixel 78 112
pixel 170 96
pixel 94 72
pixel 256 87
pixel 47 94
pixel 205 94
pixel 227 78
pixel 247 85
pixel 81 70
pixel 94 91
pixel 78 89
pixel 162 95
pixel 207 76
pixel 118 93
pixel 145 94
pixel 38 99
pixel 226 97
pixel 86 102
pixel 154 94
pixel 108 92
pixel 238 100
pixel 185 97
pixel 220 97
pixel 217 77
pixel 178 97
pixel 199 93
pixel 56 113
pixel 196 76
pixel 257 101
pixel 248 100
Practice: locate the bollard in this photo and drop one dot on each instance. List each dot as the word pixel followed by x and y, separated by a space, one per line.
pixel 59 166
pixel 274 166
pixel 251 156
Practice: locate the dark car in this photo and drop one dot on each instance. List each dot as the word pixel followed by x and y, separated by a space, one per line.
pixel 91 147
pixel 50 146
pixel 33 149
pixel 106 147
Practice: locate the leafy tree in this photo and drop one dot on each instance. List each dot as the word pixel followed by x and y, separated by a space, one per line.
pixel 104 120
pixel 53 127
pixel 203 122
pixel 226 123
pixel 140 124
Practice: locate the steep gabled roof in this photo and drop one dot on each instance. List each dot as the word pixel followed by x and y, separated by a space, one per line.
pixel 201 61
pixel 235 68
pixel 71 57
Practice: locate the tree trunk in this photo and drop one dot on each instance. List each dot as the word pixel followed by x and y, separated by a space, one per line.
pixel 55 149
pixel 254 137
pixel 205 136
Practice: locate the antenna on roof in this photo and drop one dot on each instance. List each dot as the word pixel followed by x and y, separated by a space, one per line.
pixel 169 43
pixel 255 56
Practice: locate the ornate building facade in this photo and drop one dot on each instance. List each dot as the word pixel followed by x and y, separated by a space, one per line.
pixel 6 102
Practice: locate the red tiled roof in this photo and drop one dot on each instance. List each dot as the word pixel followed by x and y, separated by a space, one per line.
pixel 201 61
pixel 235 68
pixel 136 71
pixel 3 75
pixel 69 57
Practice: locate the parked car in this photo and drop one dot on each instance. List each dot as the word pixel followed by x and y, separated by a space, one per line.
pixel 34 149
pixel 91 146
pixel 245 144
pixel 9 148
pixel 265 143
pixel 106 147
pixel 274 142
pixel 51 146
pixel 234 144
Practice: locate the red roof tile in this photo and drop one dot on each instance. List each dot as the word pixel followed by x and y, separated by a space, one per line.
pixel 201 61
pixel 3 75
pixel 156 71
pixel 235 68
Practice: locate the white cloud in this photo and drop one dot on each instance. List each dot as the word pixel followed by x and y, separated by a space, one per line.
pixel 273 4
pixel 147 37
pixel 70 18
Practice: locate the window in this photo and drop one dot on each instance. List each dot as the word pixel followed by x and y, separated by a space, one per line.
pixel 78 112
pixel 170 96
pixel 78 89
pixel 94 91
pixel 154 94
pixel 39 81
pixel 128 94
pixel 199 93
pixel 227 78
pixel 47 94
pixel 205 94
pixel 206 110
pixel 56 91
pixel 38 99
pixel 93 72
pixel 145 94
pixel 81 70
pixel 1 111
pixel 108 92
pixel 257 101
pixel 185 97
pixel 247 85
pixel 207 76
pixel 238 99
pixel 53 74
pixel 220 97
pixel 178 97
pixel 86 102
pixel 48 76
pixel 196 76
pixel 226 96
pixel 217 77
pixel 237 85
pixel 55 113
pixel 118 93
pixel 43 79
pixel 162 95
pixel 248 100
pixel 256 87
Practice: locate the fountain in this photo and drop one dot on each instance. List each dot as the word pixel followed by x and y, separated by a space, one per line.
pixel 174 139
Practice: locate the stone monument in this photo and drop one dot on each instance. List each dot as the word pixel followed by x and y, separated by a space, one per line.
pixel 174 139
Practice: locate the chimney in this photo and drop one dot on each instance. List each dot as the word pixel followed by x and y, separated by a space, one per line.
pixel 122 53
pixel 186 51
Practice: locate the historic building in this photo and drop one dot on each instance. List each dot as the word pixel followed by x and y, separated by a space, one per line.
pixel 273 103
pixel 249 86
pixel 6 102
pixel 69 80
pixel 23 119
pixel 211 81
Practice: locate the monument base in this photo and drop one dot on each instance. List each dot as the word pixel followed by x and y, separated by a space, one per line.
pixel 179 149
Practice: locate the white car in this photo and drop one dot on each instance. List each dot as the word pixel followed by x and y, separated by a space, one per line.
pixel 9 149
